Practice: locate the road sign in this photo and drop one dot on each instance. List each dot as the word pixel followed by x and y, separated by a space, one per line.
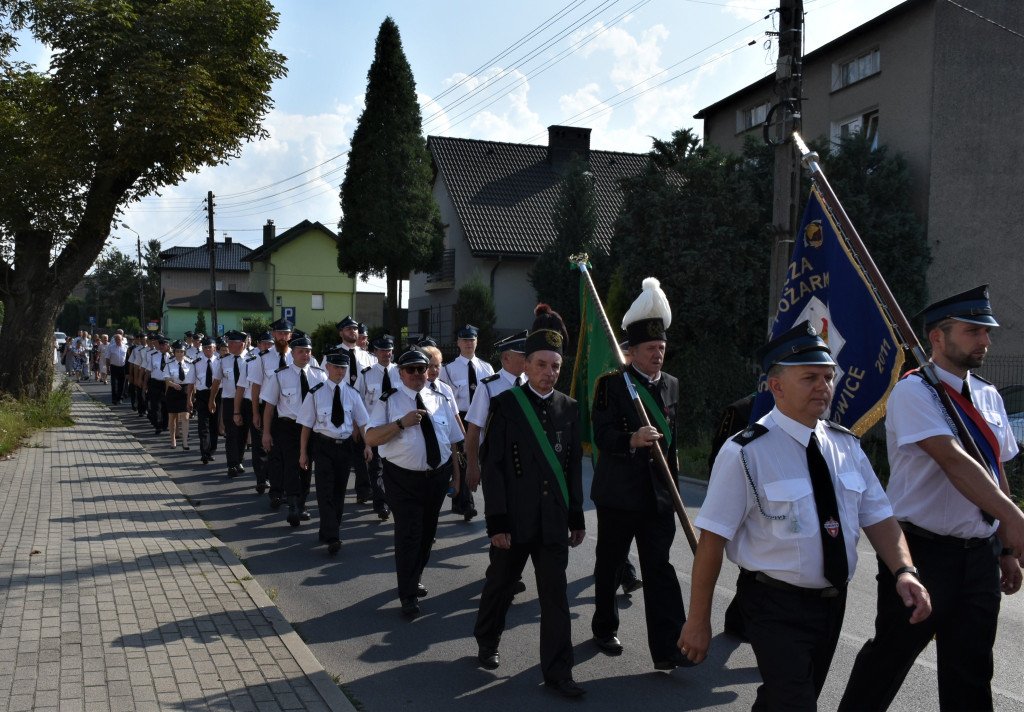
pixel 288 313
pixel 92 321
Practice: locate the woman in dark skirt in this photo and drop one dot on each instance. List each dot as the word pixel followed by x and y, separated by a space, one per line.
pixel 180 382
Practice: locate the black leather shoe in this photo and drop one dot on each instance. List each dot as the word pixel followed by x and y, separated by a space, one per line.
pixel 676 660
pixel 421 590
pixel 630 586
pixel 206 459
pixel 304 515
pixel 610 645
pixel 275 502
pixel 384 514
pixel 232 472
pixel 241 470
pixel 293 517
pixel 488 658
pixel 518 587
pixel 261 488
pixel 468 514
pixel 566 688
pixel 410 607
pixel 333 546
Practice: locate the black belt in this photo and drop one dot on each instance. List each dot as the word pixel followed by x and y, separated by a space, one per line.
pixel 761 577
pixel 447 464
pixel 333 441
pixel 953 542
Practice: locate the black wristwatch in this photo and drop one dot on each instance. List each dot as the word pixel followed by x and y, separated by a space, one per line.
pixel 912 570
pixel 1007 551
pixel 399 424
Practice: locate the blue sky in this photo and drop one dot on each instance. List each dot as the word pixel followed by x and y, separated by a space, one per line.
pixel 628 69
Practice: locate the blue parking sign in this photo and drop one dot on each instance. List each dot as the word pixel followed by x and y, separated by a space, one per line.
pixel 288 313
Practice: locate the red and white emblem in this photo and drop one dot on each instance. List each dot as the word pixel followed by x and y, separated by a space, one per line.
pixel 832 527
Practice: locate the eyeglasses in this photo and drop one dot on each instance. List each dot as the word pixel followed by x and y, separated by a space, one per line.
pixel 419 368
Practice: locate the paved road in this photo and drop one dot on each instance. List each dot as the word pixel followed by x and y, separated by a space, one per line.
pixel 345 609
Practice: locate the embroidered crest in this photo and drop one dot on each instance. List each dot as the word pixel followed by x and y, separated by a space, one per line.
pixel 554 339
pixel 832 527
pixel 655 328
pixel 814 236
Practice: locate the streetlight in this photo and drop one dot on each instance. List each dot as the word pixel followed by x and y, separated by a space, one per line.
pixel 142 304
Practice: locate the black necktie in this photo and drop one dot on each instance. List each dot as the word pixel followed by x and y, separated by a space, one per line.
pixel 337 412
pixel 236 371
pixel 519 382
pixel 386 382
pixel 181 372
pixel 303 383
pixel 966 391
pixel 833 546
pixel 280 361
pixel 163 362
pixel 472 380
pixel 433 386
pixel 353 367
pixel 209 373
pixel 429 436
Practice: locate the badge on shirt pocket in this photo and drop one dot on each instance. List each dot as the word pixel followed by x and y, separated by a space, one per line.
pixel 794 501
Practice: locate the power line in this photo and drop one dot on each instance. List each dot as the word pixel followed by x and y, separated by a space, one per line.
pixel 986 19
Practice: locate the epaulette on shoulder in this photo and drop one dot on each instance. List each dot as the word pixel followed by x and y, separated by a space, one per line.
pixel 250 358
pixel 751 433
pixel 317 387
pixel 974 375
pixel 840 428
pixel 315 368
pixel 388 394
pixel 283 368
pixel 494 377
pixel 366 369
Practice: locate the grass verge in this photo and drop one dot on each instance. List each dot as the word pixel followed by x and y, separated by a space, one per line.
pixel 19 418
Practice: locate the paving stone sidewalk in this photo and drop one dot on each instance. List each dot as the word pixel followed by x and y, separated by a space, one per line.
pixel 114 595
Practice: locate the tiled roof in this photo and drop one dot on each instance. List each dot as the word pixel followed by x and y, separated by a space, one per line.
pixel 504 193
pixel 226 300
pixel 304 227
pixel 229 258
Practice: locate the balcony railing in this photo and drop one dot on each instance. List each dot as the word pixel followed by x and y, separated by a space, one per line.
pixel 443 278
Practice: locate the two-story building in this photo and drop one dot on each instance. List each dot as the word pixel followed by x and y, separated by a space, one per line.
pixel 496 201
pixel 939 83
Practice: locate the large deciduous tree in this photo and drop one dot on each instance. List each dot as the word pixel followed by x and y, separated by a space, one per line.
pixel 390 223
pixel 138 94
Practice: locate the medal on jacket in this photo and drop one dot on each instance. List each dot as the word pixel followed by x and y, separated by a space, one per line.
pixel 558 443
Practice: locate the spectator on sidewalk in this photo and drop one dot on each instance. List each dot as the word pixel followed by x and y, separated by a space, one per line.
pixel 116 353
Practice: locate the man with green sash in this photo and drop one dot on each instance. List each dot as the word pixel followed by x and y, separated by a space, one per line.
pixel 630 494
pixel 533 497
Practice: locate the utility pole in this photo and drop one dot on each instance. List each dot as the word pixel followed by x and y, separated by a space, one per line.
pixel 142 303
pixel 212 246
pixel 782 120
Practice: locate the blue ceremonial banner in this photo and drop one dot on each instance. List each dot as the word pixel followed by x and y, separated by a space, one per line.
pixel 826 286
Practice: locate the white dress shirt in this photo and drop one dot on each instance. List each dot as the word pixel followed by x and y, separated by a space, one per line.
pixel 199 372
pixel 370 383
pixel 919 489
pixel 224 371
pixel 456 375
pixel 481 405
pixel 283 389
pixel 317 409
pixel 156 358
pixel 116 354
pixel 407 449
pixel 775 528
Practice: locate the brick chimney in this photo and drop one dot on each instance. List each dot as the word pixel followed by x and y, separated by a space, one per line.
pixel 563 141
pixel 269 232
pixel 227 241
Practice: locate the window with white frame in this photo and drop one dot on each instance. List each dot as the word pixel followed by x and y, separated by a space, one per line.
pixel 853 70
pixel 866 123
pixel 751 117
pixel 318 302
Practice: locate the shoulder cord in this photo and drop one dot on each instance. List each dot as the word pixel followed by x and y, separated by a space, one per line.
pixel 757 498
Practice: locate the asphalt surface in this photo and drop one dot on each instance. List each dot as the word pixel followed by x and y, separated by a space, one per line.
pixel 345 608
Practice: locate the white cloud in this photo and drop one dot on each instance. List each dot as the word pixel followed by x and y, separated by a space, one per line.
pixel 746 10
pixel 490 106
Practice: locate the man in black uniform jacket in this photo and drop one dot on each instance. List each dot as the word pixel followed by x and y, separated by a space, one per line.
pixel 630 493
pixel 533 496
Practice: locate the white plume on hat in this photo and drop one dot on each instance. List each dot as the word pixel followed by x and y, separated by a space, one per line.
pixel 651 304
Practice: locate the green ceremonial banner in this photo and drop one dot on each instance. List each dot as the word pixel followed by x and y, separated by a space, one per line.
pixel 594 357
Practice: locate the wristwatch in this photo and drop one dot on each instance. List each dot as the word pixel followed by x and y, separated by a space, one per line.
pixel 399 424
pixel 912 570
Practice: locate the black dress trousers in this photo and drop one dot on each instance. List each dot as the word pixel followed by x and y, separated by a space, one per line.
pixel 332 461
pixel 415 499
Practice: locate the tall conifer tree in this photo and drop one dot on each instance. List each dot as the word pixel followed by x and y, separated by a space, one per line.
pixel 390 222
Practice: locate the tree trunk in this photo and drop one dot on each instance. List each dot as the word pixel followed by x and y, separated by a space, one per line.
pixel 26 342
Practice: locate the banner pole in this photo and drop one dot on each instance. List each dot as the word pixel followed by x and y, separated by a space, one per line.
pixel 659 457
